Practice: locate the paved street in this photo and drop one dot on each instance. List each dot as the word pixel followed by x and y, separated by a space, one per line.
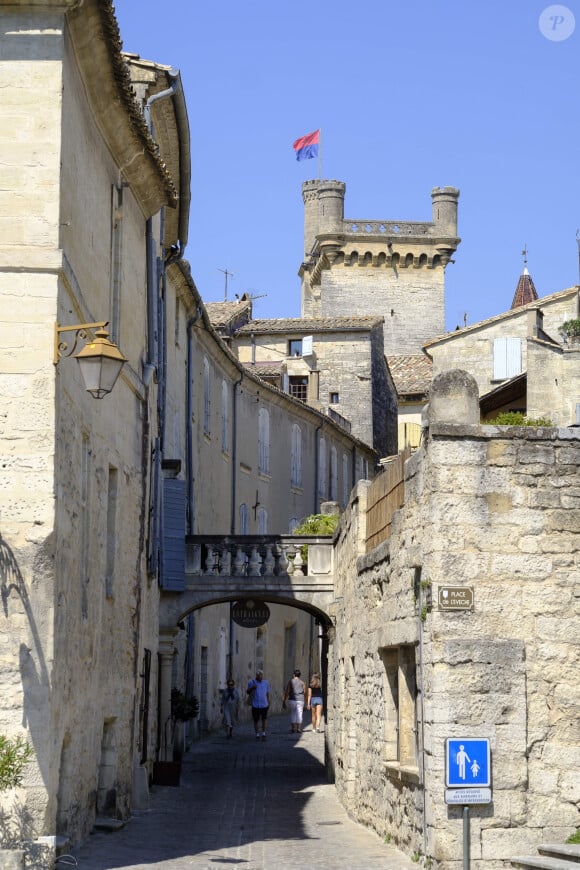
pixel 257 805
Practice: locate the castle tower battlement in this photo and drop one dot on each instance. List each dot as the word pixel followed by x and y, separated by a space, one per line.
pixel 395 269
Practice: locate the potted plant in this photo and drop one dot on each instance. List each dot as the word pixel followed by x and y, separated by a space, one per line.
pixel 183 709
pixel 570 329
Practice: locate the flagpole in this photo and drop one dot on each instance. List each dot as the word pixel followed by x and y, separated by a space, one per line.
pixel 319 153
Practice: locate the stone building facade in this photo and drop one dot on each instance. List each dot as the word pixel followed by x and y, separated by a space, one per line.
pixel 519 359
pixel 334 364
pixel 98 496
pixel 495 510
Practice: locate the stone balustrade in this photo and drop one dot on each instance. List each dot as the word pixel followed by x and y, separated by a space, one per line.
pixel 390 228
pixel 258 555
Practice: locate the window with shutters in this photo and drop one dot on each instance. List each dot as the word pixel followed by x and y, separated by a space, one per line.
pixel 298 387
pixel 262 521
pixel 333 474
pixel 264 441
pixel 345 480
pixel 173 554
pixel 296 456
pixel 244 519
pixel 225 417
pixel 322 471
pixel 507 358
pixel 206 397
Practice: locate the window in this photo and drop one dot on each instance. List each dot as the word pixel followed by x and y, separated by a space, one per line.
pixel 225 417
pixel 400 710
pixel 244 519
pixel 363 468
pixel 334 397
pixel 345 480
pixel 264 441
pixel 292 525
pixel 206 397
pixel 507 358
pixel 333 474
pixel 296 456
pixel 295 347
pixel 298 387
pixel 262 521
pixel 322 468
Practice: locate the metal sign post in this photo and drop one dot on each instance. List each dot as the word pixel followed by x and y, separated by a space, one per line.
pixel 468 779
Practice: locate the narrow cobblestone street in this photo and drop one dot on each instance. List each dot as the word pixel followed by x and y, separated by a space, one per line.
pixel 248 803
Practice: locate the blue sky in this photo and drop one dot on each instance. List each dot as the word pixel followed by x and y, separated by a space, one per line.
pixel 409 96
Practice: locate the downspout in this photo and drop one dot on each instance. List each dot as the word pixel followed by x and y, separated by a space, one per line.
pixel 233 509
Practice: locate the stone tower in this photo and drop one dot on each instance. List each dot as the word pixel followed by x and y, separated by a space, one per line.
pixel 395 269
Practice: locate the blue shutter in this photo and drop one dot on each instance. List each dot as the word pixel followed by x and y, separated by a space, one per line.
pixel 173 558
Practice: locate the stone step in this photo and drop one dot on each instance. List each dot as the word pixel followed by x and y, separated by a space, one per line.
pixel 569 851
pixel 543 862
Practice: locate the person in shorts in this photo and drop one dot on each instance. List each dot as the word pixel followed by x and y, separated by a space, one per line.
pixel 259 689
pixel 314 701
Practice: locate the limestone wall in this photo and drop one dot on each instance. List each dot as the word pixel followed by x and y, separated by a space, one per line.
pixel 411 301
pixel 496 509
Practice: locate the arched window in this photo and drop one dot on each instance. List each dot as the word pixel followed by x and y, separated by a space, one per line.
pixel 333 474
pixel 225 417
pixel 296 456
pixel 262 521
pixel 244 519
pixel 206 397
pixel 292 524
pixel 264 441
pixel 345 480
pixel 322 469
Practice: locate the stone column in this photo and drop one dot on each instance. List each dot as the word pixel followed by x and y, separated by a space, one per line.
pixel 166 652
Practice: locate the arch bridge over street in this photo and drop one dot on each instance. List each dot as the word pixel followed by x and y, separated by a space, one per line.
pixel 280 569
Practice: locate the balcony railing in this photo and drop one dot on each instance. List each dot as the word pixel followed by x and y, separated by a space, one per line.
pixel 258 555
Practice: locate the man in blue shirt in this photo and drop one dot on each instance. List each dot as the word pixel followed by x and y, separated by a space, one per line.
pixel 259 691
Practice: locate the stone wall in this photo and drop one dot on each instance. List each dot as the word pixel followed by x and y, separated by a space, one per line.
pixel 497 510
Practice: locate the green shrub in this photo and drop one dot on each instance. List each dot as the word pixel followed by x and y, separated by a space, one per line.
pixel 182 707
pixel 14 754
pixel 317 524
pixel 571 327
pixel 574 838
pixel 516 418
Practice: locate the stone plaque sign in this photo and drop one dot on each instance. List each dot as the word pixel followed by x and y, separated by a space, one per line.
pixel 455 598
pixel 249 613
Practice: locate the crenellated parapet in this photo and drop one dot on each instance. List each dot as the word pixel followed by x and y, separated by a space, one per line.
pixel 333 241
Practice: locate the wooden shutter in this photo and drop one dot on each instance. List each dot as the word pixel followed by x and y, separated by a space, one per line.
pixel 173 557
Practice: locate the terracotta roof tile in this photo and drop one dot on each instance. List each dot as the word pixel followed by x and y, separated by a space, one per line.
pixel 411 374
pixel 525 291
pixel 304 325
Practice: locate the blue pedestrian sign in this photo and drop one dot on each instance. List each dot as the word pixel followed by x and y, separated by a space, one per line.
pixel 468 762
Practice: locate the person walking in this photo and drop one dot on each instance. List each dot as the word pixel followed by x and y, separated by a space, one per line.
pixel 294 694
pixel 259 691
pixel 230 707
pixel 314 701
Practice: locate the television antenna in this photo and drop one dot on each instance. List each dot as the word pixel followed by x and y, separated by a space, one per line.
pixel 227 274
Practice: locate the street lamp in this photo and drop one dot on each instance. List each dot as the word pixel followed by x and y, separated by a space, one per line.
pixel 100 360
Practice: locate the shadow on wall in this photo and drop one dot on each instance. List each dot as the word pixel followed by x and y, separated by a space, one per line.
pixel 33 670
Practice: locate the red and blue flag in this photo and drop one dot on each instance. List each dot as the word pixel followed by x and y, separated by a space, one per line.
pixel 307 146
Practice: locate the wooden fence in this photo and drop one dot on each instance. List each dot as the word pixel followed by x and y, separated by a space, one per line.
pixel 386 495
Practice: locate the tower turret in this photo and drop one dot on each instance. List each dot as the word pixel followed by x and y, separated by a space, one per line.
pixel 445 201
pixel 323 209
